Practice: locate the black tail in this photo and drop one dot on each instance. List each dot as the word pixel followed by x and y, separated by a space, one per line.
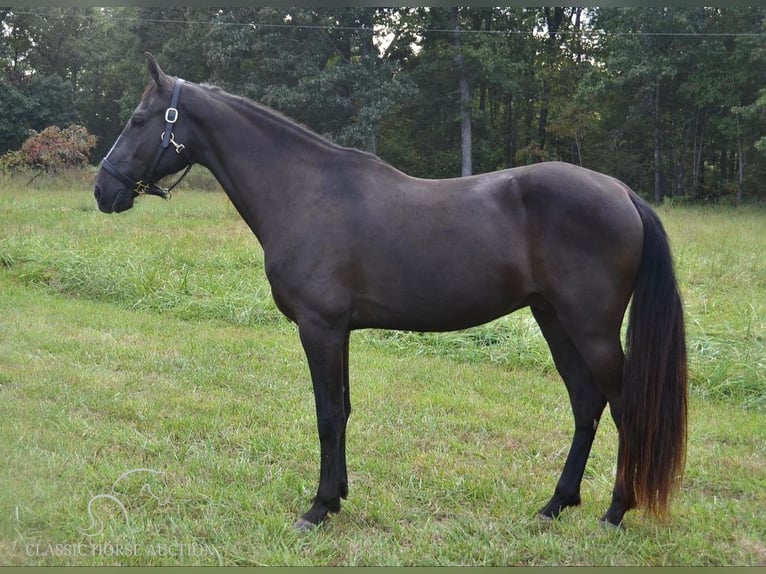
pixel 654 394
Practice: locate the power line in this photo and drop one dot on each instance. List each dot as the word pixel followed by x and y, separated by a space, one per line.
pixel 421 31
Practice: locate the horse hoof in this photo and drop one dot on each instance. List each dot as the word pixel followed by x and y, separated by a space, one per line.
pixel 609 526
pixel 545 521
pixel 303 525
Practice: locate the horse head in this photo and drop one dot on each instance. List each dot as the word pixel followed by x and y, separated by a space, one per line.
pixel 148 148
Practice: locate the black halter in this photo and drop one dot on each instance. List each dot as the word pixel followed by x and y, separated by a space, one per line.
pixel 148 186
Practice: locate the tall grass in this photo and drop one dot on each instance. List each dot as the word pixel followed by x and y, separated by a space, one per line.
pixel 720 254
pixel 191 265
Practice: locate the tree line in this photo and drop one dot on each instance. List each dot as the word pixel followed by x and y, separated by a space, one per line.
pixel 670 100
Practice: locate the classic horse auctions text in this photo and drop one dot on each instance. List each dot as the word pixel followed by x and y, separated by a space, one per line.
pixel 108 549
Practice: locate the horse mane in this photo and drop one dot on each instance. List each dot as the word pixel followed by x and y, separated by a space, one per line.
pixel 252 108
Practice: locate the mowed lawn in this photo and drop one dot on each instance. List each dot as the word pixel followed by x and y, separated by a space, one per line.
pixel 155 409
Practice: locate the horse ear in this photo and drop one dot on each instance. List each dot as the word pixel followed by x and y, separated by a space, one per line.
pixel 161 80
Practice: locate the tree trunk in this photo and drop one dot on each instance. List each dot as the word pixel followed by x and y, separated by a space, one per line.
pixel 465 100
pixel 723 167
pixel 578 49
pixel 510 150
pixel 553 21
pixel 680 187
pixel 658 195
pixel 680 190
pixel 740 169
pixel 542 124
pixel 700 127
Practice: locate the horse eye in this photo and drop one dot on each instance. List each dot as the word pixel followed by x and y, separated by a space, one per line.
pixel 137 121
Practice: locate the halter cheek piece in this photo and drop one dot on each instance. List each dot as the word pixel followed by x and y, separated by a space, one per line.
pixel 148 186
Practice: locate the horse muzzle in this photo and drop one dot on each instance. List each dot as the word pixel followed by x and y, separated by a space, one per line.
pixel 114 203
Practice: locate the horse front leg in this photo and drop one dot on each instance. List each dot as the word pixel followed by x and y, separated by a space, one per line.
pixel 326 351
pixel 347 413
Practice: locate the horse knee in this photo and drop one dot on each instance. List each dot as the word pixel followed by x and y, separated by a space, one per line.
pixel 330 427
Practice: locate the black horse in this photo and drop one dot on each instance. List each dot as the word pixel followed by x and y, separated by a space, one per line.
pixel 350 243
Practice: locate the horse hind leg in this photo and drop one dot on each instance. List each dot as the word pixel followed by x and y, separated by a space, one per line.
pixel 587 407
pixel 596 336
pixel 622 499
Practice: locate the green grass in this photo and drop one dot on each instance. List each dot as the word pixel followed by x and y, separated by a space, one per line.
pixel 721 255
pixel 148 340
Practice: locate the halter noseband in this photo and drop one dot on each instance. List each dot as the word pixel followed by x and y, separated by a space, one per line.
pixel 149 186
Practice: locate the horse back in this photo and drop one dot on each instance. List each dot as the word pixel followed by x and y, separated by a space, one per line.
pixel 405 253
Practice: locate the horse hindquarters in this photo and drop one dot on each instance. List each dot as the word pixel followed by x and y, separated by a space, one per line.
pixel 646 390
pixel 584 284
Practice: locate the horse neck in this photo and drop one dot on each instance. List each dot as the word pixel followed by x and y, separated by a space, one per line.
pixel 270 168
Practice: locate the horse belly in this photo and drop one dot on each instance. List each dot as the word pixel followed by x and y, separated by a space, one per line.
pixel 443 285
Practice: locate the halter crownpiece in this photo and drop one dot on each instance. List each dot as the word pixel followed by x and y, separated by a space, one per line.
pixel 150 187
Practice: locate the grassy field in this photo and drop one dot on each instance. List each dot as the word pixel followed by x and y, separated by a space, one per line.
pixel 156 409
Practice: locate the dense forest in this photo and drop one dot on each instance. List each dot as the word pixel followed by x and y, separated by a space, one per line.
pixel 671 100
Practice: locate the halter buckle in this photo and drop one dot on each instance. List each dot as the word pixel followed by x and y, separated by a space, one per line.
pixel 171 115
pixel 141 187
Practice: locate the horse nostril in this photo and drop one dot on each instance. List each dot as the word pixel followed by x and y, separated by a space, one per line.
pixel 97 193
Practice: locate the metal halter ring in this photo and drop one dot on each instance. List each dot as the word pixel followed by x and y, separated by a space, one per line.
pixel 141 187
pixel 178 146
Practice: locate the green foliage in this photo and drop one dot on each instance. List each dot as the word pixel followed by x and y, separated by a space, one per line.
pixel 33 105
pixel 682 89
pixel 754 114
pixel 666 99
pixel 324 75
pixel 17 109
pixel 13 162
